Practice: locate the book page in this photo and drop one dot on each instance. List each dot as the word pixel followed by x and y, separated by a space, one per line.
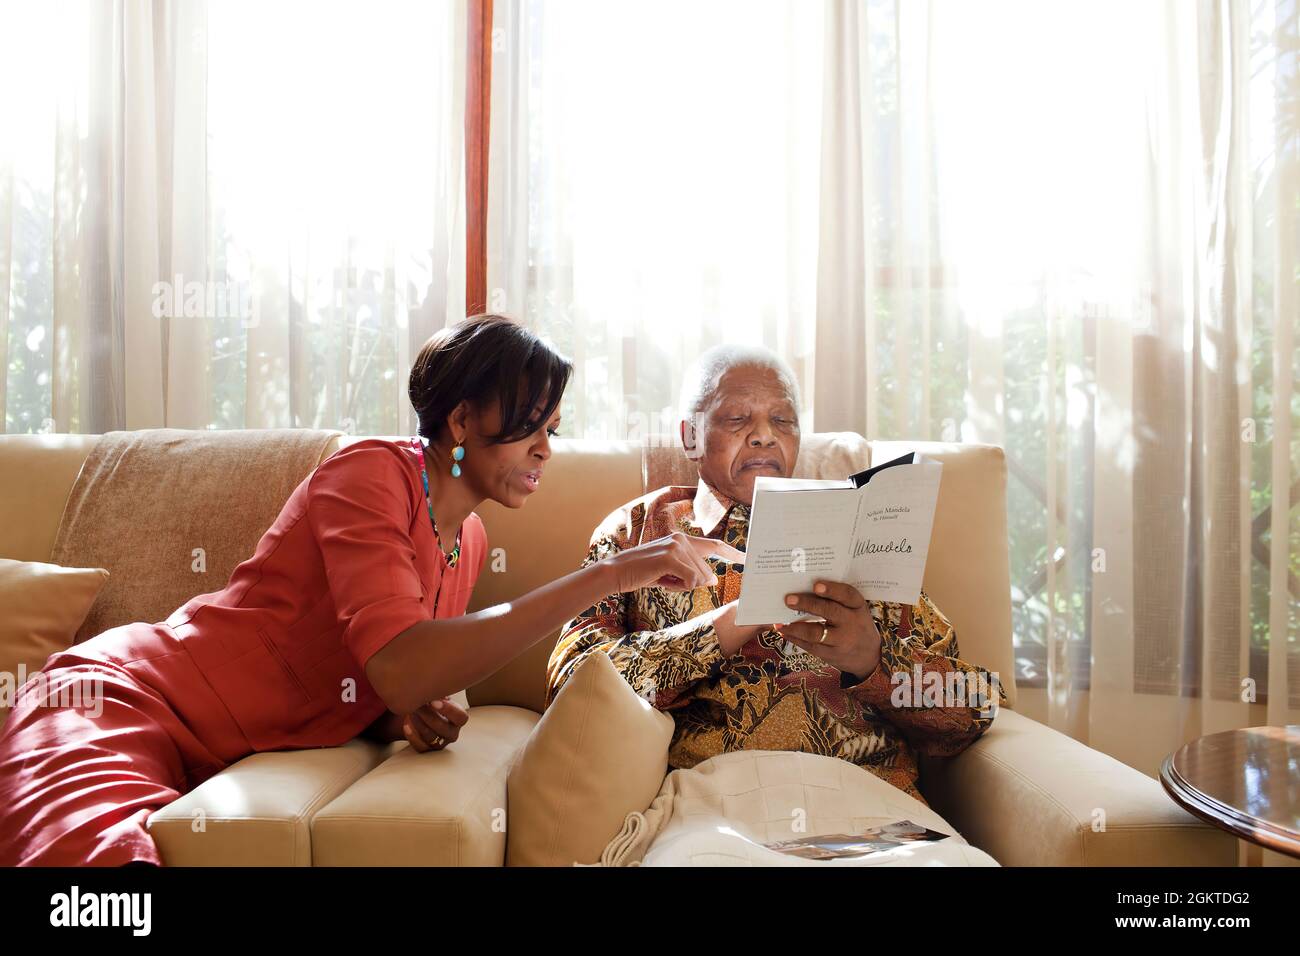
pixel 796 537
pixel 891 536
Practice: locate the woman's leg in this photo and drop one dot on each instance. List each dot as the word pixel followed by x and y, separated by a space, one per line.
pixel 84 760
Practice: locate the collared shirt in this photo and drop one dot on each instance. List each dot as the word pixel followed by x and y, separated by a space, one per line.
pixel 770 695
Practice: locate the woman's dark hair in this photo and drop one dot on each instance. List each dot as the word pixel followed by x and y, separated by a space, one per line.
pixel 486 358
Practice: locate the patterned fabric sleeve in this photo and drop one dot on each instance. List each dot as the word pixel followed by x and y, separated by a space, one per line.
pixel 660 665
pixel 932 712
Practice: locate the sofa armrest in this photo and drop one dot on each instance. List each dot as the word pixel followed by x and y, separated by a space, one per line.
pixel 258 811
pixel 445 808
pixel 1032 796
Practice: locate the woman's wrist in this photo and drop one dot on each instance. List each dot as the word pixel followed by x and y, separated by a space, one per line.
pixel 606 577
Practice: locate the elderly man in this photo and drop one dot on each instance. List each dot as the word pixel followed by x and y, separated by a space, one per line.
pixel 765 688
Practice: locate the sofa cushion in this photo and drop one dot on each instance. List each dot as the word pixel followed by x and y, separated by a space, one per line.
pixel 531 546
pixel 721 811
pixel 41 607
pixel 258 811
pixel 443 808
pixel 598 752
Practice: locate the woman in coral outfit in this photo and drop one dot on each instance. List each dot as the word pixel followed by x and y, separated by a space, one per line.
pixel 349 617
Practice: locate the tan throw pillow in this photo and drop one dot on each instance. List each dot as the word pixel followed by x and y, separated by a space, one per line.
pixel 598 753
pixel 41 608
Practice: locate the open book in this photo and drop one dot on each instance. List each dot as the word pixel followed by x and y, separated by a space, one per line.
pixel 871 530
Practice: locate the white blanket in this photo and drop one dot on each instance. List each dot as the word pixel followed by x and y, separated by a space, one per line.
pixel 721 811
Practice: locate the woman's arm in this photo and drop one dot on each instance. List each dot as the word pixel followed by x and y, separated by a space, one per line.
pixel 435 658
pixel 359 508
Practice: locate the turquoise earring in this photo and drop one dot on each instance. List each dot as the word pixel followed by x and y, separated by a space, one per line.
pixel 457 454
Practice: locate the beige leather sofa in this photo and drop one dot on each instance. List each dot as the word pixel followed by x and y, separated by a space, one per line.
pixel 1024 793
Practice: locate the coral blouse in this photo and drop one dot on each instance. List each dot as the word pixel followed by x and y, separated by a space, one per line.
pixel 350 563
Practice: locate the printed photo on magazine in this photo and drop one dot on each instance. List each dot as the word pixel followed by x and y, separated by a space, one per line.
pixel 881 839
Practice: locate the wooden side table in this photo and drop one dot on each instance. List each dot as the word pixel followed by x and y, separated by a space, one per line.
pixel 1245 781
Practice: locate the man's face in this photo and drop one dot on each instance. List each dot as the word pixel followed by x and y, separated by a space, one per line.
pixel 750 428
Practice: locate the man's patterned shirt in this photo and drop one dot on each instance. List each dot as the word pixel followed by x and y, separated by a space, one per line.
pixel 768 696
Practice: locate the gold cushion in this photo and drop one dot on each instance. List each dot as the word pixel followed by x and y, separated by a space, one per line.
pixel 598 753
pixel 41 608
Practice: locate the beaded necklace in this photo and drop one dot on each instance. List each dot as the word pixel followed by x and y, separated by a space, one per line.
pixel 452 558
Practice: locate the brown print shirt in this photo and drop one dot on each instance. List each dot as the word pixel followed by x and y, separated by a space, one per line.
pixel 769 696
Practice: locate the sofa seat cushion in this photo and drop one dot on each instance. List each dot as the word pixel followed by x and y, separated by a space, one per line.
pixel 721 811
pixel 258 812
pixel 444 808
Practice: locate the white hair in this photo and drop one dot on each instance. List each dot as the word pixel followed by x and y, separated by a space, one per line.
pixel 701 381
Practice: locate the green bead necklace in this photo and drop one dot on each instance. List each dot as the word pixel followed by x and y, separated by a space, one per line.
pixel 452 558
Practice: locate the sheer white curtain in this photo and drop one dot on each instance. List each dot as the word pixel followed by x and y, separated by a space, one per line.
pixel 1085 215
pixel 290 173
pixel 1065 228
pixel 653 190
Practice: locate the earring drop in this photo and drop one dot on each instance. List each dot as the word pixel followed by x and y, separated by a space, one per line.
pixel 457 454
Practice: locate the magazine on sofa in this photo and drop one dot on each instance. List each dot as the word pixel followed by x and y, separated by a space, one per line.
pixel 881 839
pixel 871 530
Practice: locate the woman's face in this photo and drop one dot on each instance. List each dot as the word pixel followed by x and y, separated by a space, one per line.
pixel 508 473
